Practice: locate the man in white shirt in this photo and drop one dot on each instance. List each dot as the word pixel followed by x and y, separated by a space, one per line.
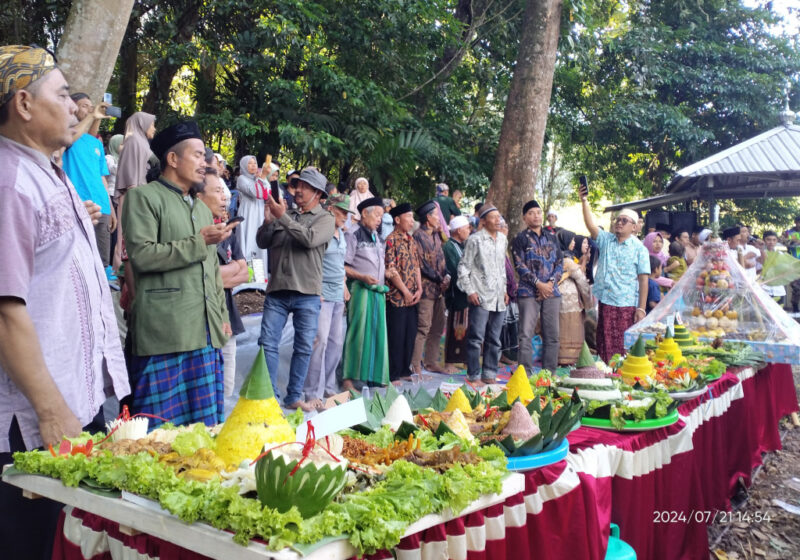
pixel 750 254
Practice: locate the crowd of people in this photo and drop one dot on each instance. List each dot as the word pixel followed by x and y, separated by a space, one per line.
pixel 371 283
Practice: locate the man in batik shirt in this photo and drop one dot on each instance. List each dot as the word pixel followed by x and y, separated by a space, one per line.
pixel 405 290
pixel 537 258
pixel 435 280
pixel 482 276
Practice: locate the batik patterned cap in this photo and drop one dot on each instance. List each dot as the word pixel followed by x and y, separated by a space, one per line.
pixel 20 66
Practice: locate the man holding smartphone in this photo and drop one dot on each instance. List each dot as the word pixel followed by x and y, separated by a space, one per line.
pixel 621 281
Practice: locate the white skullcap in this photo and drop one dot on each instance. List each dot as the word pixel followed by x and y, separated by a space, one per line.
pixel 458 222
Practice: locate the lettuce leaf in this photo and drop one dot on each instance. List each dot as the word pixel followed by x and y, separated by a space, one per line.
pixel 186 443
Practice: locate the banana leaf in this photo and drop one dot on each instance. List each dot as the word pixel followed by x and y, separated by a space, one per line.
pixel 529 447
pixel 501 401
pixel 779 269
pixel 439 402
pixel 546 417
pixel 406 429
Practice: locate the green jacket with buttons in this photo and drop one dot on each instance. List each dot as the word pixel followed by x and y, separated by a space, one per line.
pixel 177 282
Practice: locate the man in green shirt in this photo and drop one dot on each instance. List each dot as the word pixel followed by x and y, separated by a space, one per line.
pixel 297 239
pixel 446 204
pixel 179 320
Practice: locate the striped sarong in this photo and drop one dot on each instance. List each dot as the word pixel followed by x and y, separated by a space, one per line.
pixel 183 387
pixel 366 356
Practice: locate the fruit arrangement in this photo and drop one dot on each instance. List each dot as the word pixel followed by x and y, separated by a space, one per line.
pixel 713 313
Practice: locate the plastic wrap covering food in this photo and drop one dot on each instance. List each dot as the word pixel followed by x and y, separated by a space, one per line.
pixel 714 299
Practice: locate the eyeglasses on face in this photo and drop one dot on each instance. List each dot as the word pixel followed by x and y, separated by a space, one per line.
pixel 623 220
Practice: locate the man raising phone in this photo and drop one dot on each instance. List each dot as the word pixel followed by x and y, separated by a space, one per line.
pixel 621 280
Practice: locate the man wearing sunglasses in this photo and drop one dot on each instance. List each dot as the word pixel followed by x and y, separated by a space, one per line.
pixel 621 280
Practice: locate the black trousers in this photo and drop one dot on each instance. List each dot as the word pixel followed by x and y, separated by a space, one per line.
pixel 401 330
pixel 28 532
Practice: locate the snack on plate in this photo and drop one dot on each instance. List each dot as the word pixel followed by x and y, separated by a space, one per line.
pixel 520 424
pixel 668 349
pixel 518 387
pixel 458 424
pixel 458 401
pixel 683 337
pixel 636 364
pixel 398 413
pixel 256 419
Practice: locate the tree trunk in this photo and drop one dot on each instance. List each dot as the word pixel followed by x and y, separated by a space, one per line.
pixel 88 50
pixel 128 73
pixel 519 149
pixel 157 98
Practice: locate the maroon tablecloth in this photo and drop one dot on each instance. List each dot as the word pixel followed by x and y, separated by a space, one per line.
pixel 660 486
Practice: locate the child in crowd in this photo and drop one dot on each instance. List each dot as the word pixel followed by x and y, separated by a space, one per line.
pixel 676 264
pixel 653 290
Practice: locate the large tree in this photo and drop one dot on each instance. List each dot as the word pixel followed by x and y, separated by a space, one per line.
pixel 644 88
pixel 87 53
pixel 519 150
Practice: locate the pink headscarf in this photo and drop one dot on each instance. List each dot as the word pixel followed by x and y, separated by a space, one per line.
pixel 648 242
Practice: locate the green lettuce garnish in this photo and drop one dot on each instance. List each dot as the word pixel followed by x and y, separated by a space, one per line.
pixel 186 443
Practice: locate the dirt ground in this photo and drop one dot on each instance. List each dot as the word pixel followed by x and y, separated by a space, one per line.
pixel 778 479
pixel 248 302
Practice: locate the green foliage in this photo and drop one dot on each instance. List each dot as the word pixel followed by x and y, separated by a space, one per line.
pixel 644 88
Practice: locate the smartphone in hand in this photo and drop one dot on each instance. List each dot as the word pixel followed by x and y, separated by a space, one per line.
pixel 235 221
pixel 584 189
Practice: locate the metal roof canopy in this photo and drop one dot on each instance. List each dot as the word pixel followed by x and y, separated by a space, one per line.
pixel 765 166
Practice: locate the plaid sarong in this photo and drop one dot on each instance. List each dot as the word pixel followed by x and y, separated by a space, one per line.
pixel 183 387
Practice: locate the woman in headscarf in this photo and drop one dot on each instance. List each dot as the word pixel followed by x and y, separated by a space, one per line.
pixel 576 298
pixel 112 160
pixel 358 195
pixel 253 187
pixel 655 243
pixel 132 165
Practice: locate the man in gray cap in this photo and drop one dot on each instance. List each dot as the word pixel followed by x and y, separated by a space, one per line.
pixel 297 239
pixel 435 280
pixel 482 276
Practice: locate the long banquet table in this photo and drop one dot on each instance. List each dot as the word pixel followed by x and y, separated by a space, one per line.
pixel 683 473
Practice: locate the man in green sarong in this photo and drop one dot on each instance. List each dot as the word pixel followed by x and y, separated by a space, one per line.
pixel 366 359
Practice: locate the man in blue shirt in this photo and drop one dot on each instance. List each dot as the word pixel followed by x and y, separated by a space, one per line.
pixel 620 283
pixel 85 165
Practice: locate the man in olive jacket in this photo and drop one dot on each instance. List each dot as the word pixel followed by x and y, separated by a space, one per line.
pixel 296 239
pixel 179 319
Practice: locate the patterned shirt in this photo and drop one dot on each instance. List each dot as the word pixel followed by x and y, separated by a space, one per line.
pixel 482 269
pixel 432 263
pixel 50 262
pixel 619 265
pixel 536 258
pixel 402 254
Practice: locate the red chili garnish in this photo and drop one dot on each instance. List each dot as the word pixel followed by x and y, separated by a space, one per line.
pixel 421 417
pixel 543 382
pixel 308 446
